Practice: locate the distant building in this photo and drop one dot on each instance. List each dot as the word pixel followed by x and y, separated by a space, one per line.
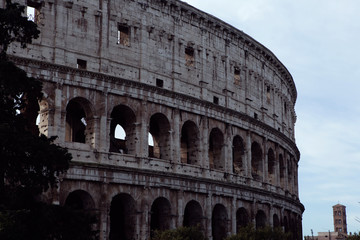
pixel 340 226
pixel 339 213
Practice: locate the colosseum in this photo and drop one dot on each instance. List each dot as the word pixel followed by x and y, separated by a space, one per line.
pixel 173 117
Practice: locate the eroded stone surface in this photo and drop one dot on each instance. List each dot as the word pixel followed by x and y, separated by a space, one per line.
pixel 218 104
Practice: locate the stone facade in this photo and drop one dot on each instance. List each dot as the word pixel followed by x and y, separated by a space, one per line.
pixel 218 105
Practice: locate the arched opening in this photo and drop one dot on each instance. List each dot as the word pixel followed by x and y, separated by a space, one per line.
pixel 216 142
pixel 122 130
pixel 219 222
pixel 160 132
pixel 276 221
pixel 238 154
pixel 242 218
pixel 189 143
pixel 193 214
pixel 76 120
pixel 260 219
pixel 286 224
pixel 160 215
pixel 256 161
pixel 271 166
pixel 42 120
pixel 80 200
pixel 122 217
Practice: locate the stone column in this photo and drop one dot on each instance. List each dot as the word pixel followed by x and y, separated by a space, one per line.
pixel 248 155
pixel 265 162
pixel 175 156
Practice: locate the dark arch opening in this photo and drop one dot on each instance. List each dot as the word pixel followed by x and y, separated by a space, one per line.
pixel 80 200
pixel 122 217
pixel 78 120
pixel 160 132
pixel 238 154
pixel 260 219
pixel 276 221
pixel 193 214
pixel 124 117
pixel 271 166
pixel 189 143
pixel 219 222
pixel 216 142
pixel 160 215
pixel 286 224
pixel 256 161
pixel 242 218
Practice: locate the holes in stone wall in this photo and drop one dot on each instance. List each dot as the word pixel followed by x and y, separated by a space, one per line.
pixel 216 142
pixel 238 152
pixel 123 35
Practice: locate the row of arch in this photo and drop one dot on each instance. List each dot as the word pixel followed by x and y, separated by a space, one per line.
pixel 123 216
pixel 124 138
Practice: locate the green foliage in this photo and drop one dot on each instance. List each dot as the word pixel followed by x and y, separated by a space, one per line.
pixel 29 164
pixel 356 236
pixel 181 233
pixel 46 222
pixel 266 233
pixel 14 26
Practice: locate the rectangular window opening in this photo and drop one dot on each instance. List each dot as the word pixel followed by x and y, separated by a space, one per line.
pixel 216 100
pixel 123 36
pixel 33 11
pixel 189 57
pixel 237 76
pixel 255 116
pixel 159 83
pixel 268 96
pixel 81 64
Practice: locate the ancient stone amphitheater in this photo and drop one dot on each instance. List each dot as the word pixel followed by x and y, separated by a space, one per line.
pixel 173 117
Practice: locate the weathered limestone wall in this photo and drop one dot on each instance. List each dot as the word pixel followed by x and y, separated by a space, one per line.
pixel 218 104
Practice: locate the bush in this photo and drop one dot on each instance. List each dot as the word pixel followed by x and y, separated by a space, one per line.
pixel 181 233
pixel 266 233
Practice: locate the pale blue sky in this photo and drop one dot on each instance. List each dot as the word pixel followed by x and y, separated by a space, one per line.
pixel 319 43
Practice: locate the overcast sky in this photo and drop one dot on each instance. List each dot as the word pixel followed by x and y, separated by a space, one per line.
pixel 319 43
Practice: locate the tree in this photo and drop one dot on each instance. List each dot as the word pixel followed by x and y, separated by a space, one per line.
pixel 356 236
pixel 29 164
pixel 266 233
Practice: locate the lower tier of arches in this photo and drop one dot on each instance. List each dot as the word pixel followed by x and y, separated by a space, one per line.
pixel 133 204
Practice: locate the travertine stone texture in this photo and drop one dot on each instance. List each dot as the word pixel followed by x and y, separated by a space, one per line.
pixel 217 103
